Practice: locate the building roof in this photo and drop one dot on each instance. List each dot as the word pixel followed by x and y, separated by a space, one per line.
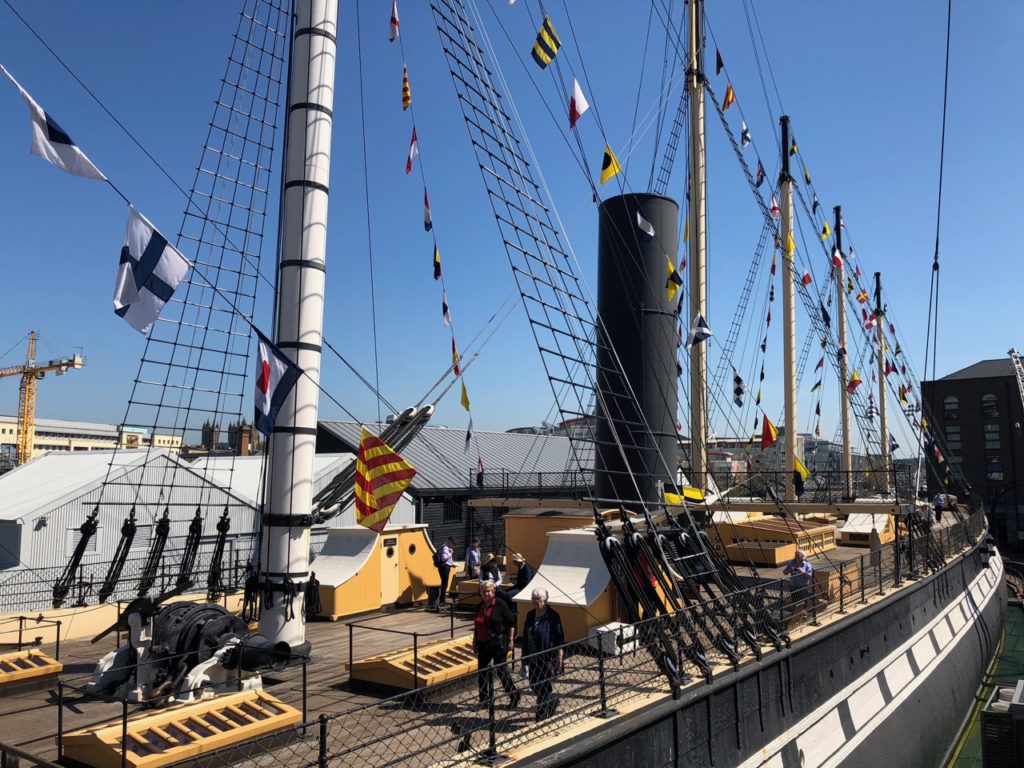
pixel 242 474
pixel 63 425
pixel 54 476
pixel 441 461
pixel 986 369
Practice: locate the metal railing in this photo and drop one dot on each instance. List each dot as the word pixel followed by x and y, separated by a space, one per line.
pixel 449 723
pixel 823 486
pixel 13 633
pixel 502 481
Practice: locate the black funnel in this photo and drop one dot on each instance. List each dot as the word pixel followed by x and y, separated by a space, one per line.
pixel 636 437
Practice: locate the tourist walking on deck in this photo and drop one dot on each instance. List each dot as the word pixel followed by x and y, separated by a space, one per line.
pixel 493 630
pixel 445 561
pixel 938 503
pixel 543 638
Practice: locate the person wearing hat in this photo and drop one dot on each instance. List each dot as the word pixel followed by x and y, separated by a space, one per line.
pixel 525 573
pixel 489 571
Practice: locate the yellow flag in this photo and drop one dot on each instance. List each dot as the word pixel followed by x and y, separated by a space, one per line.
pixel 807 176
pixel 686 231
pixel 790 245
pixel 800 468
pixel 674 280
pixel 465 396
pixel 609 165
pixel 826 230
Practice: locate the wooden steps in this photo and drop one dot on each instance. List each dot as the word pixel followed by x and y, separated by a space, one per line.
pixel 18 666
pixel 166 736
pixel 433 663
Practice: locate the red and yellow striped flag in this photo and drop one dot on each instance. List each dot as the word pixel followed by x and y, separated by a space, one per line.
pixel 381 478
pixel 406 91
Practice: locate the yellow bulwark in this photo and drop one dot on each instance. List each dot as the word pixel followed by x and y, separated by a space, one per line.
pixel 173 734
pixel 19 666
pixel 434 663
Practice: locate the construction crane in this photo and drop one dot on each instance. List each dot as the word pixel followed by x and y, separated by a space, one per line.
pixel 1019 370
pixel 30 373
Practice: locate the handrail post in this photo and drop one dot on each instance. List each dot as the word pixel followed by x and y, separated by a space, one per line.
pixel 415 661
pixel 58 640
pixel 842 587
pixel 124 732
pixel 21 629
pixel 321 759
pixel 451 618
pixel 350 649
pixel 60 720
pixel 305 661
pixel 881 588
pixel 863 582
pixel 604 712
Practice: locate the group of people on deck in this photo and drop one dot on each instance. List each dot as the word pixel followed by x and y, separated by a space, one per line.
pixel 494 628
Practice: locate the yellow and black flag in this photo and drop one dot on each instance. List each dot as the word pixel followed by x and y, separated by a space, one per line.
pixel 674 281
pixel 807 176
pixel 437 263
pixel 793 148
pixel 826 230
pixel 609 165
pixel 406 91
pixel 547 44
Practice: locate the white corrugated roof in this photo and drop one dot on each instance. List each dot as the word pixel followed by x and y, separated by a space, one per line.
pixel 242 473
pixel 54 476
pixel 63 425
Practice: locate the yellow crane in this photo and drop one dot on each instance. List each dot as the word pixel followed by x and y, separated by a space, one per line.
pixel 30 373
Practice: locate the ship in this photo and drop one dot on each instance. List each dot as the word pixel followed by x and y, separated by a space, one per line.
pixel 688 645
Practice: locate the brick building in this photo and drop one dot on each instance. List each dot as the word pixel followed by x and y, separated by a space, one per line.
pixel 979 413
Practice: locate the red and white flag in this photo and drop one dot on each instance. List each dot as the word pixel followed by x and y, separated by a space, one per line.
pixel 577 104
pixel 395 24
pixel 414 149
pixel 806 279
pixel 275 377
pixel 774 211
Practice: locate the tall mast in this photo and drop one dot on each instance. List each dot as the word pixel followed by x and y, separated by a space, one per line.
pixel 698 244
pixel 788 312
pixel 284 561
pixel 882 410
pixel 844 397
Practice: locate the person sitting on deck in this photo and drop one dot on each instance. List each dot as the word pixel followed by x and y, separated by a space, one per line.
pixel 801 576
pixel 489 571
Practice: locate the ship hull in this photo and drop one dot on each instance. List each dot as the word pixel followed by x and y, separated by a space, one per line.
pixel 888 685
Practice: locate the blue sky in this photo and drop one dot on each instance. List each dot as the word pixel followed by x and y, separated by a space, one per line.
pixel 864 91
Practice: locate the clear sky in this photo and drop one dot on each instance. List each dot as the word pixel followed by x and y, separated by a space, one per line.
pixel 863 87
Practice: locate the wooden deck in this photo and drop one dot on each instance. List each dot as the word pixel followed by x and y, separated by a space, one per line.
pixel 29 717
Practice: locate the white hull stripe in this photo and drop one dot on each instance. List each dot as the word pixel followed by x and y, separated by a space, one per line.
pixel 829 735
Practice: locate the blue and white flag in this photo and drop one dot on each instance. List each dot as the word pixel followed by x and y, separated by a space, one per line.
pixel 51 142
pixel 645 227
pixel 744 136
pixel 275 377
pixel 149 271
pixel 699 332
pixel 469 435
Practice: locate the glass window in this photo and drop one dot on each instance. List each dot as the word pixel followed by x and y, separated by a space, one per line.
pixel 993 467
pixel 989 406
pixel 953 437
pixel 991 436
pixel 452 511
pixel 951 408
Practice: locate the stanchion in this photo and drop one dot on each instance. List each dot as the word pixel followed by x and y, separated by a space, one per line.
pixel 604 712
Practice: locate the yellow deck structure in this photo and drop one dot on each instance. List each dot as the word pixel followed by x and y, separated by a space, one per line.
pixel 360 570
pixel 857 531
pixel 404 670
pixel 19 666
pixel 173 734
pixel 578 583
pixel 526 529
pixel 771 540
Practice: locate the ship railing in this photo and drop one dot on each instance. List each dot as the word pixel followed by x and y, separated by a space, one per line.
pixel 824 486
pixel 450 724
pixel 21 632
pixel 575 483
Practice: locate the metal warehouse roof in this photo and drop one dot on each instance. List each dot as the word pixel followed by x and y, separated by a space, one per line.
pixel 53 477
pixel 242 474
pixel 84 428
pixel 441 461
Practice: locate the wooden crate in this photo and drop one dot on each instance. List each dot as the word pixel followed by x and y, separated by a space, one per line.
pixel 765 553
pixel 827 584
pixel 812 539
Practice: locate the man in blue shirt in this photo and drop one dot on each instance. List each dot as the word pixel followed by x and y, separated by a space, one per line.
pixel 445 563
pixel 801 576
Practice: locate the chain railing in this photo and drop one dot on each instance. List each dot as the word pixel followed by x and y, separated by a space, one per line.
pixel 452 724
